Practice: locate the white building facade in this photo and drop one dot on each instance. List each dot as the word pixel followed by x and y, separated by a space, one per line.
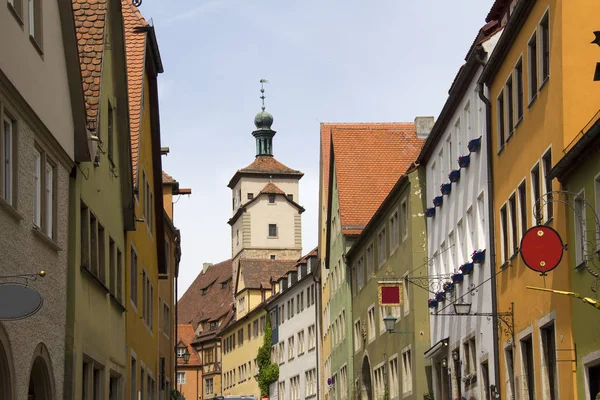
pixel 462 347
pixel 293 319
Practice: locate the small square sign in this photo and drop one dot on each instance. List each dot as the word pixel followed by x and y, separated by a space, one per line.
pixel 390 293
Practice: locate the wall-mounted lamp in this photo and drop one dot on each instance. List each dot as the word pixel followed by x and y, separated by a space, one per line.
pixel 390 324
pixel 444 363
pixel 455 355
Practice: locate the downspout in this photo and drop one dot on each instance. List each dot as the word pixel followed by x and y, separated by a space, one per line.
pixel 317 327
pixel 490 189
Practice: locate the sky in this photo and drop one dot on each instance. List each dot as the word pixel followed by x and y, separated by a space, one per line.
pixel 325 60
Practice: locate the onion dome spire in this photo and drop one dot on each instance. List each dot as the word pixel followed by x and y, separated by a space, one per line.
pixel 263 133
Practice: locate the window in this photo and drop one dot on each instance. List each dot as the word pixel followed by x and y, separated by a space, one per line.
pixel 44 192
pixel 180 378
pixel 462 255
pixel 404 222
pixel 370 261
pixel 528 367
pixel 406 371
pixel 579 221
pixel 241 303
pixel 549 370
pixel 35 21
pixel 240 337
pixel 512 208
pixel 208 384
pixel 545 39
pixel 509 359
pixel 7 161
pixel 533 73
pixel 281 391
pixel 310 381
pixel 382 313
pixel 291 308
pixel 378 377
pixel 510 109
pixel 504 227
pixel 263 321
pixel 166 319
pixel 290 197
pixel 406 295
pixel 500 114
pixel 301 342
pixel 519 88
pixel 209 356
pixel 535 193
pixel 394 232
pixel 133 392
pixel 470 356
pixel 114 386
pixel 311 337
pixel 112 266
pixel 523 207
pixel 357 336
pixel 148 299
pixel 451 252
pixel 249 331
pixel 394 378
pixel 250 196
pixel 281 353
pixel 271 199
pixel 360 273
pixel 291 352
pixel 110 131
pixel 17 7
pixel 272 230
pixel 101 253
pixel 547 165
pixel 371 321
pixel 381 251
pixel 485 380
pixel 295 388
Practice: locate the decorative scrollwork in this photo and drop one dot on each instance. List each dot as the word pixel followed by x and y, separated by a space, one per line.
pixel 432 283
pixel 505 322
pixel 583 212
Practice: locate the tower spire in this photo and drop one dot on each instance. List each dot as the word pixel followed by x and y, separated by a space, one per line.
pixel 263 133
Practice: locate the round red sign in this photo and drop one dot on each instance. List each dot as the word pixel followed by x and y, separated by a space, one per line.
pixel 541 248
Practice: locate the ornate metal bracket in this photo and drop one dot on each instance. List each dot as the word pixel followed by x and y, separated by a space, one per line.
pixel 26 277
pixel 505 322
pixel 432 283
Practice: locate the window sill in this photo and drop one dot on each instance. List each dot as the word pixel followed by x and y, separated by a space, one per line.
pixel 272 237
pixel 95 279
pixel 549 222
pixel 514 255
pixel 12 212
pixel 133 305
pixel 544 82
pixel 45 239
pixel 519 120
pixel 504 265
pixel 37 46
pixel 510 136
pixel 15 14
pixel 117 303
pixel 500 150
pixel 532 100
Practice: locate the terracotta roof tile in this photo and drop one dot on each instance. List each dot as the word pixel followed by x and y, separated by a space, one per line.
pixel 257 272
pixel 499 8
pixel 271 188
pixel 264 165
pixel 194 306
pixel 186 335
pixel 135 46
pixel 368 162
pixel 166 178
pixel 90 18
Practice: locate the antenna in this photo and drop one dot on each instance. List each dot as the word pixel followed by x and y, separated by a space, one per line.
pixel 262 92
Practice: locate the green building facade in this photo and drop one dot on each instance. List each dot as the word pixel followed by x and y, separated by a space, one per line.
pixel 392 246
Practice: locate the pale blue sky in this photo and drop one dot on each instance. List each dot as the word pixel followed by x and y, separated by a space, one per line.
pixel 326 61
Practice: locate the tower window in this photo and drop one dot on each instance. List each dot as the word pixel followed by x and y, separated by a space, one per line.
pixel 250 196
pixel 272 230
pixel 271 199
pixel 272 256
pixel 290 197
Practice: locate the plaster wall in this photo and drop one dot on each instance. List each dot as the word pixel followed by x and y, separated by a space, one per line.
pixel 460 226
pixel 40 76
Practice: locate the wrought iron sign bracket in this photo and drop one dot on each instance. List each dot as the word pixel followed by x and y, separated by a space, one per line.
pixel 431 283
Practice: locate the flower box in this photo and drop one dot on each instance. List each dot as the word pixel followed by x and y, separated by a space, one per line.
pixel 475 145
pixel 432 303
pixel 437 201
pixel 454 176
pixel 430 212
pixel 446 188
pixel 478 256
pixel 466 268
pixel 448 287
pixel 458 277
pixel 464 161
pixel 440 296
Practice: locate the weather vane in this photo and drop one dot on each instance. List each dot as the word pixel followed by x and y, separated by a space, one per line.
pixel 262 92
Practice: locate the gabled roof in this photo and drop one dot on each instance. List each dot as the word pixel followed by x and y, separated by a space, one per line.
pixel 257 273
pixel 264 166
pixel 166 178
pixel 90 21
pixel 135 43
pixel 185 336
pixel 368 161
pixel 271 188
pixel 194 306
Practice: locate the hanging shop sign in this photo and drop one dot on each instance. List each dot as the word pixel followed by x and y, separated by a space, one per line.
pixel 541 249
pixel 390 293
pixel 18 301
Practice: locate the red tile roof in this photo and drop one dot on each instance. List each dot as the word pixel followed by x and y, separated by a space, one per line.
pixel 194 306
pixel 185 336
pixel 90 19
pixel 135 45
pixel 271 188
pixel 166 178
pixel 264 166
pixel 257 273
pixel 369 159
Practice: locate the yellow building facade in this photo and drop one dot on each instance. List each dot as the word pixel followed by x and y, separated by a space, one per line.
pixel 538 79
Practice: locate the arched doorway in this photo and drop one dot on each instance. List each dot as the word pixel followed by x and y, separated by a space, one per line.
pixel 366 390
pixel 41 385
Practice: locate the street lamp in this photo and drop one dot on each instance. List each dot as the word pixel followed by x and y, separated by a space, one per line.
pixel 390 324
pixel 462 308
pixel 186 356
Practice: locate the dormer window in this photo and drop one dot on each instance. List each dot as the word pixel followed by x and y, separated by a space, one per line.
pixel 214 325
pixel 204 290
pixel 180 352
pixel 290 197
pixel 271 199
pixel 223 285
pixel 250 196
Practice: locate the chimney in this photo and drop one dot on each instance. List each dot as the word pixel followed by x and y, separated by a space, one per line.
pixel 423 126
pixel 206 266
